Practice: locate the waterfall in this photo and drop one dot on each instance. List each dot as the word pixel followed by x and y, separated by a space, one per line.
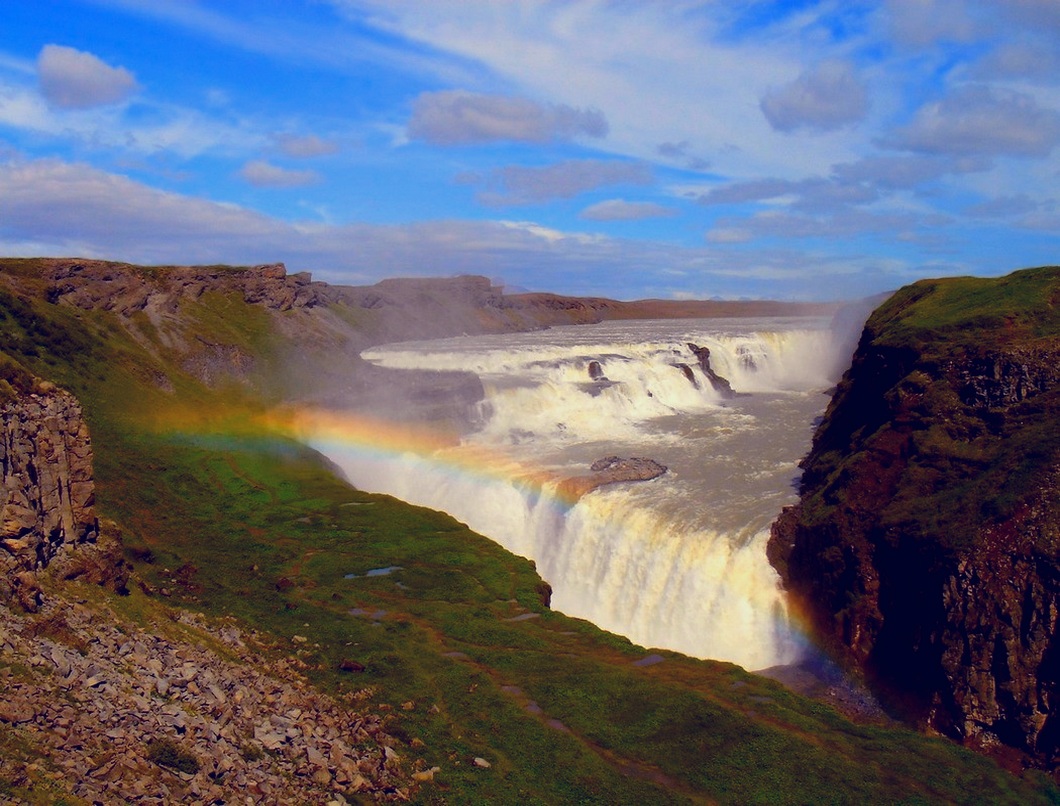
pixel 677 562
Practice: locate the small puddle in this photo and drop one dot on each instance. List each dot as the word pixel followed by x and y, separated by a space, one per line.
pixel 376 572
pixel 650 660
pixel 524 617
pixel 375 615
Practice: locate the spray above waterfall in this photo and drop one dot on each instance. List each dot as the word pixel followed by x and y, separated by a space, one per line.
pixel 676 560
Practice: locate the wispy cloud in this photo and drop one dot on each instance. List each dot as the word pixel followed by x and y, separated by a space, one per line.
pixel 264 174
pixel 454 117
pixel 825 97
pixel 517 184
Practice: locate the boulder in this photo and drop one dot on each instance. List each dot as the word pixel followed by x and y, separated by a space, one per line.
pixel 611 470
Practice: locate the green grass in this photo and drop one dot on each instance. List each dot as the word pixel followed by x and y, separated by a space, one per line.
pixel 436 634
pixel 246 524
pixel 929 312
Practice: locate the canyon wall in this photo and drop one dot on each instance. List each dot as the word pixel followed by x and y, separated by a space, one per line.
pixel 926 544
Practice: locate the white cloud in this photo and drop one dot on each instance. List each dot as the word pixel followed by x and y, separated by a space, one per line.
pixel 826 97
pixel 906 171
pixel 921 23
pixel 622 210
pixel 1037 15
pixel 981 120
pixel 729 234
pixel 64 204
pixel 74 79
pixel 57 208
pixel 751 191
pixel 305 146
pixel 1026 58
pixel 658 72
pixel 159 128
pixel 1004 207
pixel 454 117
pixel 840 224
pixel 517 184
pixel 813 195
pixel 17 64
pixel 681 152
pixel 264 174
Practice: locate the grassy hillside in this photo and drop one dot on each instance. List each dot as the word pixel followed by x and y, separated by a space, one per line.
pixel 455 643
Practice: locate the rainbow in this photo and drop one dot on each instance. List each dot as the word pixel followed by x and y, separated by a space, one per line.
pixel 372 435
pixel 335 431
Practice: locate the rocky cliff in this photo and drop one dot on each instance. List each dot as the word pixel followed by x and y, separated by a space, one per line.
pixel 926 544
pixel 46 490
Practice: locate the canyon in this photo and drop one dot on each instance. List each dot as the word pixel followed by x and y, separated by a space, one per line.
pixel 923 549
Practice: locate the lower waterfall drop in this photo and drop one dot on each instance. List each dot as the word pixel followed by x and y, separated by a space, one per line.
pixel 677 562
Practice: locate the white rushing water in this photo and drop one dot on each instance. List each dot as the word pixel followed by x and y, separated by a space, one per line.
pixel 677 562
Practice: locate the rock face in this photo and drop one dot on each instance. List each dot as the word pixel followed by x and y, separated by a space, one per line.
pixel 926 544
pixel 99 285
pixel 47 493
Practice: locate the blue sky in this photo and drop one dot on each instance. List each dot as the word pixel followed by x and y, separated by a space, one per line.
pixel 748 148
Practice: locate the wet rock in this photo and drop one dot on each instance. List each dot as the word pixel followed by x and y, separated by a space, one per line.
pixel 611 470
pixel 720 384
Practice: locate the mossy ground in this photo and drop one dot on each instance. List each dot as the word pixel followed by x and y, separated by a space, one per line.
pixel 254 526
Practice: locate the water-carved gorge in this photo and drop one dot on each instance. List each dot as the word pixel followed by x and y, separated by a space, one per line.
pixel 926 541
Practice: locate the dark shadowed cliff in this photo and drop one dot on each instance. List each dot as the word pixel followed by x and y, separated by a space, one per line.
pixel 925 545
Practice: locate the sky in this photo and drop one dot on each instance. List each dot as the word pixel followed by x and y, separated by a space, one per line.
pixel 786 149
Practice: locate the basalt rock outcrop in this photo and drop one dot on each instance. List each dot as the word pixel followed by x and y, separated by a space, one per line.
pixel 47 495
pixel 926 543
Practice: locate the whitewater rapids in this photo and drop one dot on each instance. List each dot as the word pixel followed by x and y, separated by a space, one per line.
pixel 678 562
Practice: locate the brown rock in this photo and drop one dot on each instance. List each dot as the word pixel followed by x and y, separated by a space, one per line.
pixel 27 591
pixel 17 712
pixel 611 470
